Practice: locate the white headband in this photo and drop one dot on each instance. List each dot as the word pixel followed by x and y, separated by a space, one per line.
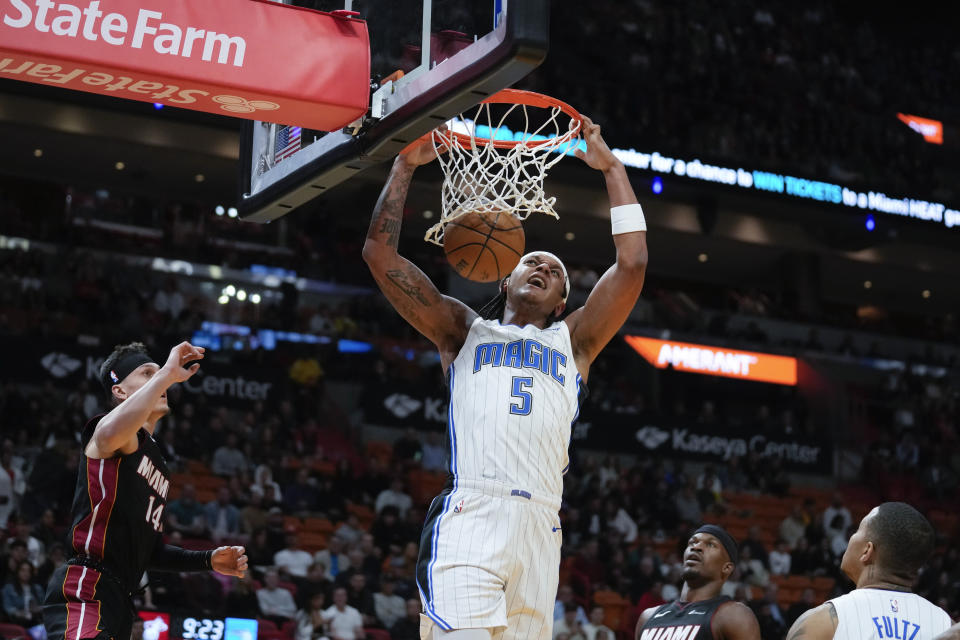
pixel 566 278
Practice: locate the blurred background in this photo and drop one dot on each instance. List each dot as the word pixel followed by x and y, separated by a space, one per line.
pixel 793 211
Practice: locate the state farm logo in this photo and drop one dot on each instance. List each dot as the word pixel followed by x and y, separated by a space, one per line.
pixel 652 437
pixel 60 365
pixel 237 104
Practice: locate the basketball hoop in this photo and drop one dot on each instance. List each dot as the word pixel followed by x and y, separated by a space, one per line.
pixel 497 160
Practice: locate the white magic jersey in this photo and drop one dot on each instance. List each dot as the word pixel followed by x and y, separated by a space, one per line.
pixel 879 614
pixel 514 394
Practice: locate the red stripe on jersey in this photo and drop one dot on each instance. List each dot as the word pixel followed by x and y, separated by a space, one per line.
pixel 83 612
pixel 89 536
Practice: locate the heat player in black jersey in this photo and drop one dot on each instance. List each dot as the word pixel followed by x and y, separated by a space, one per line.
pixel 122 489
pixel 702 613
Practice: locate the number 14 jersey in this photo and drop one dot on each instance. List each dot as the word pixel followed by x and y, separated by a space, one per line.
pixel 515 393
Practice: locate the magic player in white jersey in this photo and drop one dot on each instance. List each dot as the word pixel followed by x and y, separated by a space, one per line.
pixel 490 549
pixel 883 559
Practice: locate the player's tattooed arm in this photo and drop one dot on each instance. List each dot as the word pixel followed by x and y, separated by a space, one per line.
pixel 443 320
pixel 819 623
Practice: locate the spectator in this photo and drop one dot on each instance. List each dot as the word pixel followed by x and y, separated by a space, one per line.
pixel 276 603
pixel 908 453
pixel 185 514
pixel 407 449
pixel 780 559
pixel 242 600
pixel 568 625
pixel 343 621
pixel 228 459
pixel 837 536
pixel 360 597
pixel 803 558
pixel 408 627
pixel 253 516
pixel 301 496
pixel 350 531
pixel 752 569
pixel 223 517
pixel 314 581
pixel 688 507
pixel 769 615
pixel 394 497
pixel 807 601
pixel 434 453
pixel 333 558
pixel 9 481
pixel 589 565
pixel 310 622
pixel 709 487
pixel 618 520
pixel 793 527
pixel 388 606
pixel 264 485
pixel 565 598
pixel 23 597
pixel 47 531
pixel 56 556
pixel 835 509
pixel 291 559
pixel 35 549
pixel 595 629
pixel 757 548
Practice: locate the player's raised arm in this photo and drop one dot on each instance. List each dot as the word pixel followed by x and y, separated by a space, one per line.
pixel 117 431
pixel 613 297
pixel 444 320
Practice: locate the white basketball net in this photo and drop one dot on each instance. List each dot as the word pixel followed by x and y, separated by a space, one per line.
pixel 478 176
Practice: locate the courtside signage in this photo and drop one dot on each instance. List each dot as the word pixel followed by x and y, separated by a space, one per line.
pixel 246 58
pixel 716 361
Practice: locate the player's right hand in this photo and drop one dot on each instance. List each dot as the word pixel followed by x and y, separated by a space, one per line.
pixel 423 150
pixel 179 356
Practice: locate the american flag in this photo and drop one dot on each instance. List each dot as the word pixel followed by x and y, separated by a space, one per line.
pixel 288 142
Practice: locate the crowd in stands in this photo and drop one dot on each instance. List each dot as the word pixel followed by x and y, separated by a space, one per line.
pixel 332 524
pixel 688 80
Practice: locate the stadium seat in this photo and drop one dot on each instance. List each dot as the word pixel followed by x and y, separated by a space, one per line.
pixel 614 606
pixel 318 525
pixel 376 634
pixel 11 631
pixel 289 629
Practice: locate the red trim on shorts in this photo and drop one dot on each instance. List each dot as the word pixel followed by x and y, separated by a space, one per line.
pixel 83 612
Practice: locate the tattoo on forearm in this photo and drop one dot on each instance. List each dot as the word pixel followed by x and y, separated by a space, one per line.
pixel 411 290
pixel 389 210
pixel 391 227
pixel 834 618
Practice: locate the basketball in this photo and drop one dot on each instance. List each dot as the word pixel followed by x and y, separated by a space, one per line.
pixel 484 246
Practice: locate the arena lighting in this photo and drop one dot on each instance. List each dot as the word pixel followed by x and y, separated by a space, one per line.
pixel 37 153
pixel 220 210
pixel 716 361
pixel 703 257
pixel 199 177
pixel 775 183
pixel 158 105
pixel 931 130
pixel 569 235
pixel 657 185
pixel 867 284
pixel 871 224
pixel 223 299
pixel 229 290
pixel 255 298
pixel 241 295
pixel 119 166
pixel 926 293
pixel 232 212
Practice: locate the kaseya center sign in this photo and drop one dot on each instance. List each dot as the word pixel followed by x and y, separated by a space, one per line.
pixel 716 361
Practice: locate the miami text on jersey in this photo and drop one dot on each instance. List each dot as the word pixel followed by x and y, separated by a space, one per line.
pixel 154 477
pixel 522 354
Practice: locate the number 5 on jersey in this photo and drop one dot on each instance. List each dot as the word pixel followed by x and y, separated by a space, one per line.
pixel 521 391
pixel 155 515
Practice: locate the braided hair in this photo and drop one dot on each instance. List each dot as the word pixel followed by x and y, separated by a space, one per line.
pixel 494 308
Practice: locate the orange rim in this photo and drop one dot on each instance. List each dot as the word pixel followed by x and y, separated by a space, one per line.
pixel 530 99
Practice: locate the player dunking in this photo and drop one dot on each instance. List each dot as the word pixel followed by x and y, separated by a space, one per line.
pixel 702 613
pixel 883 558
pixel 490 548
pixel 118 506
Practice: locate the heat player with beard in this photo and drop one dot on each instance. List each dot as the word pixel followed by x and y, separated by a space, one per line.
pixel 702 613
pixel 122 489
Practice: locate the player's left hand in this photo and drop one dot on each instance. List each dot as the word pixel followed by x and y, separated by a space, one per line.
pixel 598 155
pixel 230 561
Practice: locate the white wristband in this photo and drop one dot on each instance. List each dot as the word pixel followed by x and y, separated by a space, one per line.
pixel 627 218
